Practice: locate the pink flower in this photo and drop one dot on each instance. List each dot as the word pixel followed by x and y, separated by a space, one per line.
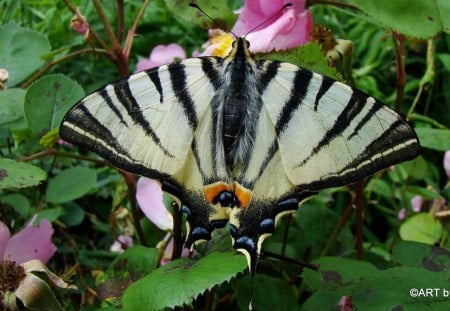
pixel 287 29
pixel 417 202
pixel 447 163
pixel 402 214
pixel 160 55
pixel 121 244
pixel 32 242
pixel 346 303
pixel 80 24
pixel 150 198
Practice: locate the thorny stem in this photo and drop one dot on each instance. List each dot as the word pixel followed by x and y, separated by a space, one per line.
pixel 121 60
pixel 91 31
pixel 132 31
pixel 399 45
pixel 120 20
pixel 62 59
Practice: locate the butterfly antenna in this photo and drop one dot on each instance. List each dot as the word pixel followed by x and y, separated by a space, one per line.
pixel 195 5
pixel 289 4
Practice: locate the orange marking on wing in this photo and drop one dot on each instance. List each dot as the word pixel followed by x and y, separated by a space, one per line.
pixel 243 195
pixel 213 190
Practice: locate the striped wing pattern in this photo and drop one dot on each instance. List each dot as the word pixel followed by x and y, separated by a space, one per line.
pixel 298 132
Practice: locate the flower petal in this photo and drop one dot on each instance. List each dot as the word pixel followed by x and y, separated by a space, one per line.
pixel 32 242
pixel 416 203
pixel 4 237
pixel 150 198
pixel 36 265
pixel 160 55
pixel 447 163
pixel 35 294
pixel 287 29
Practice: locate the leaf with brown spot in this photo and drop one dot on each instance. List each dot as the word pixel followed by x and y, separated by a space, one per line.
pixel 19 175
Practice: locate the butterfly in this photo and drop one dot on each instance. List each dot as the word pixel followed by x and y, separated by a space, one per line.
pixel 239 140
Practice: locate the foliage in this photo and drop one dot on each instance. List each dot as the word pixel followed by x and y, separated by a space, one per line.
pixel 401 55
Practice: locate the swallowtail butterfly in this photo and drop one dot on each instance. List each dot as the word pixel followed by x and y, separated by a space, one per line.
pixel 240 140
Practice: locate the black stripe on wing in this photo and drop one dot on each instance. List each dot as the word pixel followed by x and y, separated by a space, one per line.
pixel 369 115
pixel 180 89
pixel 154 76
pixel 324 87
pixel 298 92
pixel 104 144
pixel 377 155
pixel 351 110
pixel 209 66
pixel 104 94
pixel 126 98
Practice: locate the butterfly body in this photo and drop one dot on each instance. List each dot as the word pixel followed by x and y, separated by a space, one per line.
pixel 239 140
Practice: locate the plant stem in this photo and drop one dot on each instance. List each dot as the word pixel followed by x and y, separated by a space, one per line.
pixel 428 76
pixel 359 204
pixel 62 59
pixel 130 180
pixel 119 58
pixel 289 259
pixel 399 45
pixel 337 230
pixel 132 31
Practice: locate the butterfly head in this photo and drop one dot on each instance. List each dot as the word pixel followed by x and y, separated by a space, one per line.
pixel 240 49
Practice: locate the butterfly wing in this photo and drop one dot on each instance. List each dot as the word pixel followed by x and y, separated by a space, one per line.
pixel 313 133
pixel 154 123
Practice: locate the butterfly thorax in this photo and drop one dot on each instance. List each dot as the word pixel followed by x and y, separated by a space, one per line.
pixel 240 104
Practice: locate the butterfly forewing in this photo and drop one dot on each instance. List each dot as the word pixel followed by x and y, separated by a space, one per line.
pixel 298 132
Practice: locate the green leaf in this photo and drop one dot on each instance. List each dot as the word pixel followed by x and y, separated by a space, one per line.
pixel 48 100
pixel 323 301
pixel 339 275
pixel 18 202
pixel 182 280
pixel 20 51
pixel 72 214
pixel 50 138
pixel 19 175
pixel 429 257
pixel 316 224
pixel 373 289
pixel 434 139
pixel 133 264
pixel 224 18
pixel 11 105
pixel 423 192
pixel 421 227
pixel 282 294
pixel 391 289
pixel 309 56
pixel 419 18
pixel 70 184
pixel 51 214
